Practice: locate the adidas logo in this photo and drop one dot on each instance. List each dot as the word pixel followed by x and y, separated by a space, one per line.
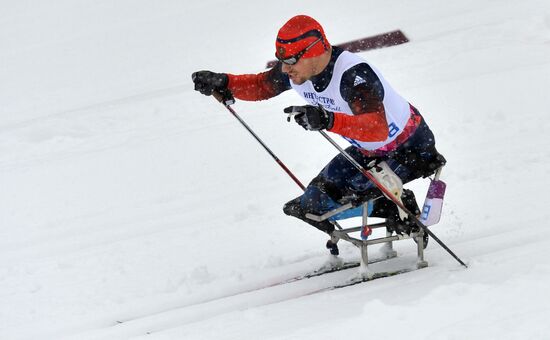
pixel 358 80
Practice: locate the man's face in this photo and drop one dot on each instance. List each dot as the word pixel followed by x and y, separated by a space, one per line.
pixel 302 71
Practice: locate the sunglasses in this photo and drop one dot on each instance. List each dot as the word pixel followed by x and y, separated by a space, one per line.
pixel 292 60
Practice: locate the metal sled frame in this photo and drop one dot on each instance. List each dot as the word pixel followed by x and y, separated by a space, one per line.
pixel 343 234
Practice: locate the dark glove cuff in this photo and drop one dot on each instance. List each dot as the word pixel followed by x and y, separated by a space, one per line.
pixel 330 120
pixel 224 80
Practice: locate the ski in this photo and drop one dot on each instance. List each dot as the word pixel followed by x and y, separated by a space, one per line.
pixel 375 276
pixel 319 272
pixel 362 279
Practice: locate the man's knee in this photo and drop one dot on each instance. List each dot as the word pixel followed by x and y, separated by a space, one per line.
pixel 293 207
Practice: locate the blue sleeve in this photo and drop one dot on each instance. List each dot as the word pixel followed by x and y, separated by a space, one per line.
pixel 362 89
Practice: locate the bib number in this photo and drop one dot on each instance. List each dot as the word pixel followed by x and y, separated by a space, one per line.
pixel 393 130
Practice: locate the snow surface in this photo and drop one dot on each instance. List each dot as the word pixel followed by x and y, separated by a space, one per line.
pixel 133 207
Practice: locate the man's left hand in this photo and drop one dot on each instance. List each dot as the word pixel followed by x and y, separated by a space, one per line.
pixel 313 118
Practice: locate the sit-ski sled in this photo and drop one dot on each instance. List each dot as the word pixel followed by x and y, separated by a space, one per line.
pixel 430 215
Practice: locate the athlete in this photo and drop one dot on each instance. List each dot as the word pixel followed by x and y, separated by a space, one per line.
pixel 347 96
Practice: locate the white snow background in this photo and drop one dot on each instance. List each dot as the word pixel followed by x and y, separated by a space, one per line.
pixel 131 206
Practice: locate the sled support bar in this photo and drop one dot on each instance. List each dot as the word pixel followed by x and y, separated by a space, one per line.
pixel 363 244
pixel 325 216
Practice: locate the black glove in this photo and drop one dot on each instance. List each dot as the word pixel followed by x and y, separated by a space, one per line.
pixel 207 82
pixel 311 117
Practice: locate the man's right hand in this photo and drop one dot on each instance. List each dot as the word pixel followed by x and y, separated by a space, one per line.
pixel 207 82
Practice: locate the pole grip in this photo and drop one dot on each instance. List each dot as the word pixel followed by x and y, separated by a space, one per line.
pixel 224 96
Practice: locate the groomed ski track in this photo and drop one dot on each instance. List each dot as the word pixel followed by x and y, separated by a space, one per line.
pixel 273 290
pixel 132 207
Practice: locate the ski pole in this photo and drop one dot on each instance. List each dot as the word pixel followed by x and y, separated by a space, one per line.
pixel 390 196
pixel 225 102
